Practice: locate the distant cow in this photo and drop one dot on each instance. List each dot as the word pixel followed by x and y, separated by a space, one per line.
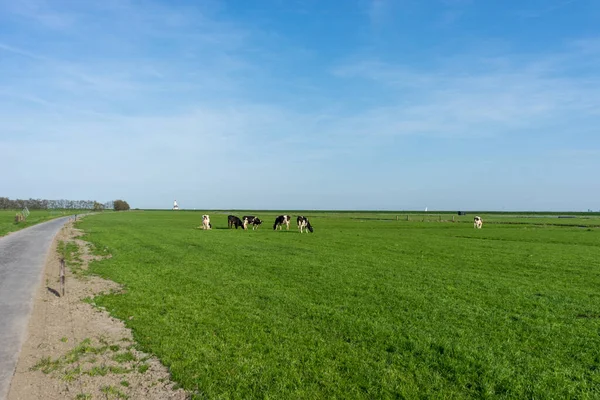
pixel 282 219
pixel 206 222
pixel 477 222
pixel 304 223
pixel 232 221
pixel 251 220
pixel 19 217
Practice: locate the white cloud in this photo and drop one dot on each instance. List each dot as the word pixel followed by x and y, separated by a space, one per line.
pixel 475 97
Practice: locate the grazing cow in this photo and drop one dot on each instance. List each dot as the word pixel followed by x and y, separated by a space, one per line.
pixel 232 221
pixel 206 222
pixel 477 222
pixel 282 219
pixel 252 220
pixel 304 223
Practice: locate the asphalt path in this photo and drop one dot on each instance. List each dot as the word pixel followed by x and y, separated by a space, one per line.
pixel 22 258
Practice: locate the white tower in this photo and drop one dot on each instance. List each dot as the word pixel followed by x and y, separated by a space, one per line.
pixel 175 206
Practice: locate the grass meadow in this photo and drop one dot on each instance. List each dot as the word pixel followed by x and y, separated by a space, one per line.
pixel 7 219
pixel 367 307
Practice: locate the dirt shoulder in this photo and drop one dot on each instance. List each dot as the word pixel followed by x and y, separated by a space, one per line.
pixel 76 351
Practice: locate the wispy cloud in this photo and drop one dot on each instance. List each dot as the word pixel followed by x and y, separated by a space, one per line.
pixel 20 52
pixel 40 12
pixel 478 97
pixel 149 51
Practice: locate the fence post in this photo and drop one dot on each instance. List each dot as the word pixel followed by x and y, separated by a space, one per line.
pixel 62 276
pixel 407 217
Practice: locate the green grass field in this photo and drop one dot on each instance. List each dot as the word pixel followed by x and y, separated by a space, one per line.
pixel 7 219
pixel 366 307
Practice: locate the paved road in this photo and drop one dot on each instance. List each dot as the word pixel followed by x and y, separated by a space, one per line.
pixel 22 257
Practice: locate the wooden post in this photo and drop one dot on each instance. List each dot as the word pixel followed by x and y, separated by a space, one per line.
pixel 407 217
pixel 62 276
pixel 453 218
pixel 396 218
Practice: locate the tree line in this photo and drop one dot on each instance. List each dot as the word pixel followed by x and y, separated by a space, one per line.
pixel 43 204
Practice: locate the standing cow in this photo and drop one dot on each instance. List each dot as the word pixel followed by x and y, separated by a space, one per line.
pixel 232 221
pixel 251 220
pixel 477 222
pixel 303 222
pixel 280 220
pixel 206 222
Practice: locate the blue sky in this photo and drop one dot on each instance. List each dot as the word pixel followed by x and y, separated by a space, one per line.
pixel 303 104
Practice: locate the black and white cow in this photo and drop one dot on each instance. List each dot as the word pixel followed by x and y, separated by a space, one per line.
pixel 304 223
pixel 206 222
pixel 282 219
pixel 477 222
pixel 251 220
pixel 232 221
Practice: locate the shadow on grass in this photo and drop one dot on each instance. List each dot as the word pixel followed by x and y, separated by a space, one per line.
pixel 220 228
pixel 250 230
